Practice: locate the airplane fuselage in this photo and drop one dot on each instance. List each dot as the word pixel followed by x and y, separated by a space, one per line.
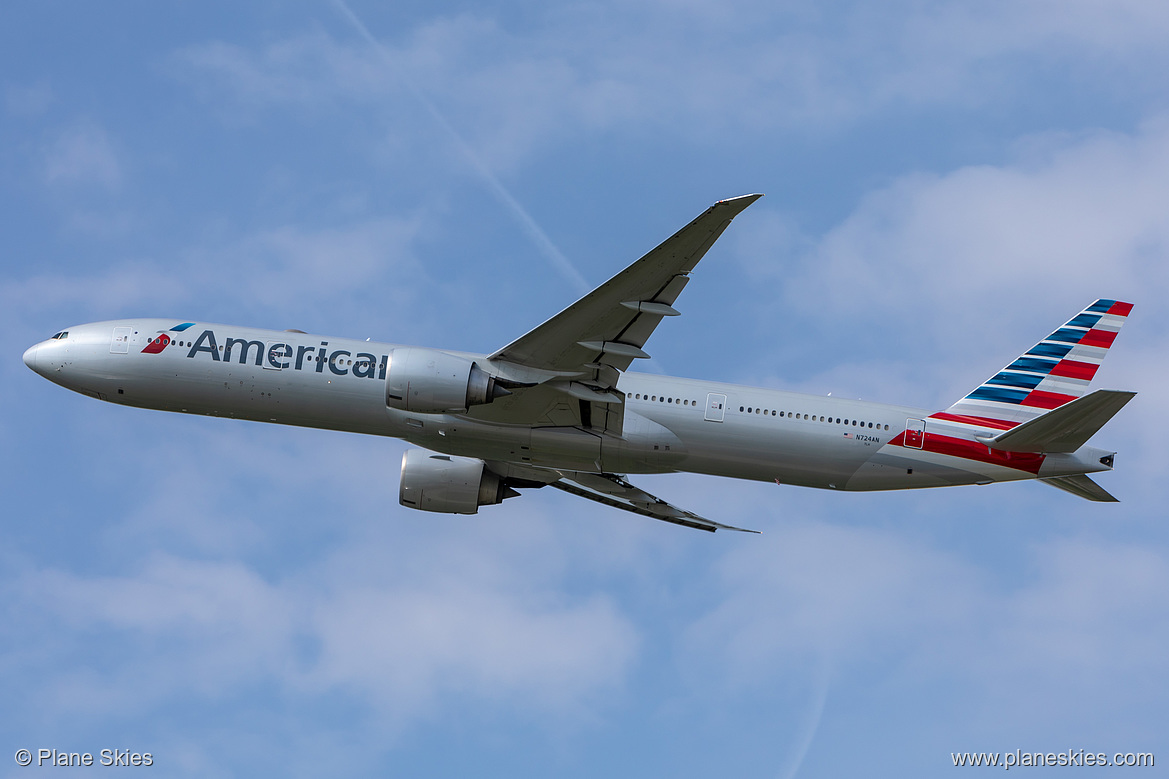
pixel 670 424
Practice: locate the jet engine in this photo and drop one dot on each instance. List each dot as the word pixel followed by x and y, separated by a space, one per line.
pixel 450 485
pixel 427 381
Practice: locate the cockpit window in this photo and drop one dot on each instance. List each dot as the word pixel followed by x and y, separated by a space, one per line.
pixel 60 335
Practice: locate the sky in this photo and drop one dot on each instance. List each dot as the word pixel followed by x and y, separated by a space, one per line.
pixel 945 183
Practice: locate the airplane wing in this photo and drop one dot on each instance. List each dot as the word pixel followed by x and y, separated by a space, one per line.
pixel 611 324
pixel 608 488
pixel 613 490
pixel 581 351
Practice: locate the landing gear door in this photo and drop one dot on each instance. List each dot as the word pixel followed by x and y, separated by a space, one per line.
pixel 915 433
pixel 716 406
pixel 120 344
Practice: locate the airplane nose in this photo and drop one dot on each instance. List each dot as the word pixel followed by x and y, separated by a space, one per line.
pixel 30 357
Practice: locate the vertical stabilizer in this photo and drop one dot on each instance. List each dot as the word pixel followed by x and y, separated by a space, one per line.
pixel 1055 371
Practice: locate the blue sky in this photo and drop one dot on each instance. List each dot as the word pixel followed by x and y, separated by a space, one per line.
pixel 945 183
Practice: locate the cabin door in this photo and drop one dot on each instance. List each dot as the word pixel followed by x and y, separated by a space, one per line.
pixel 715 407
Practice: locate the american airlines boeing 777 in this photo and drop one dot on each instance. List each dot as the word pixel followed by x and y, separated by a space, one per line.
pixel 558 406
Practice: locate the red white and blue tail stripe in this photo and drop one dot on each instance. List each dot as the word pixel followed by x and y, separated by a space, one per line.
pixel 1055 371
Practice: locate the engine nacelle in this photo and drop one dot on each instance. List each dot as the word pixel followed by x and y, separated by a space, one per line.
pixel 447 484
pixel 427 381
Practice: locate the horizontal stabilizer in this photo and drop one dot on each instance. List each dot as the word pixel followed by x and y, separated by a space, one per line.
pixel 1083 486
pixel 1063 429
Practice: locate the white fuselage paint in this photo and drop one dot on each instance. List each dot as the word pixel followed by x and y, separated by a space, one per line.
pixel 810 440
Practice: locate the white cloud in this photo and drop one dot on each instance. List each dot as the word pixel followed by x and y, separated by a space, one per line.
pixel 878 601
pixel 1083 214
pixel 411 644
pixel 28 99
pixel 516 87
pixel 289 267
pixel 811 590
pixel 111 289
pixel 212 629
pixel 283 276
pixel 989 259
pixel 82 156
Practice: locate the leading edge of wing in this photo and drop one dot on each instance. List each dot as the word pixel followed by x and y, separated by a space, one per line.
pixel 612 490
pixel 600 327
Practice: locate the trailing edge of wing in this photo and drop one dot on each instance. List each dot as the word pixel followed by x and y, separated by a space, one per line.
pixel 614 491
pixel 1082 486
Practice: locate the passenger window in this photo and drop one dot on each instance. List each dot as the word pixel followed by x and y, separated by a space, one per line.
pixel 773 412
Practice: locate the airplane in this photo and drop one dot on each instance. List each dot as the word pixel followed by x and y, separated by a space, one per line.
pixel 558 406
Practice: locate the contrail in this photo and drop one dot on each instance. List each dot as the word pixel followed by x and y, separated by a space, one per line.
pixel 821 681
pixel 538 236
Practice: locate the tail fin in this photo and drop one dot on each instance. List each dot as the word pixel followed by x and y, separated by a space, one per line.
pixel 1055 371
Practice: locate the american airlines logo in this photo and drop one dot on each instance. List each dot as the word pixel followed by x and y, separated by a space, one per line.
pixel 278 356
pixel 161 341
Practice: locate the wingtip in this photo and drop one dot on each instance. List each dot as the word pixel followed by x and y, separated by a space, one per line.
pixel 734 205
pixel 746 200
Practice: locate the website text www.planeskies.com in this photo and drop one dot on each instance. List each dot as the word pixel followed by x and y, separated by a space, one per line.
pixel 1069 757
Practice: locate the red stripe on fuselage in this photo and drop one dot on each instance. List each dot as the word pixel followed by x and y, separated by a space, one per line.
pixel 997 424
pixel 974 450
pixel 1074 369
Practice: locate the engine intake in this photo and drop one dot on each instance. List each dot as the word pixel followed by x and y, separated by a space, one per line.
pixel 449 485
pixel 427 381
